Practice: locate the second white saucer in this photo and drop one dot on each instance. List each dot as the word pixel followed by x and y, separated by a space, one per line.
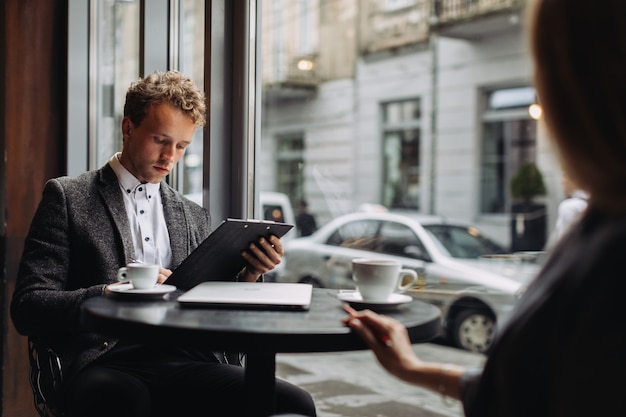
pixel 354 298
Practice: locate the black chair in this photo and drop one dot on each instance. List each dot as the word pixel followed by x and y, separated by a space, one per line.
pixel 287 415
pixel 45 376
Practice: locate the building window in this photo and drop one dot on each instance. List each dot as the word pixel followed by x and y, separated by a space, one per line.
pixel 401 154
pixel 290 166
pixel 509 141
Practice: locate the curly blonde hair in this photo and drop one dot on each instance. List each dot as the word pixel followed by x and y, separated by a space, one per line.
pixel 170 87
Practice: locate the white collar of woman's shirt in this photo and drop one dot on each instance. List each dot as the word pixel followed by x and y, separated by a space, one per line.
pixel 580 194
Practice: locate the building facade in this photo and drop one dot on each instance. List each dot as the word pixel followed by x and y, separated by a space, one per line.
pixel 427 110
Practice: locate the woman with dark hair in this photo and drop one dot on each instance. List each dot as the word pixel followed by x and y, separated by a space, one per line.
pixel 562 353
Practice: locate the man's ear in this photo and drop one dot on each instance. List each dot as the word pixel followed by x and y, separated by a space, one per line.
pixel 127 126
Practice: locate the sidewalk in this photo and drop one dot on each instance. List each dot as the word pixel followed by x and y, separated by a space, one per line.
pixel 353 384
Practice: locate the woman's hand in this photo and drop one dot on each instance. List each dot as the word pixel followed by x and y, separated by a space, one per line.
pixel 388 339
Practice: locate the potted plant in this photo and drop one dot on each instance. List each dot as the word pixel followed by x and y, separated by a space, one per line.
pixel 528 217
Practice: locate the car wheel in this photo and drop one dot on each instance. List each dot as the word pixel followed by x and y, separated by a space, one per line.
pixel 316 283
pixel 473 330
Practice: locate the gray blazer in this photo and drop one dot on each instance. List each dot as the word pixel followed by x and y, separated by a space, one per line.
pixel 78 239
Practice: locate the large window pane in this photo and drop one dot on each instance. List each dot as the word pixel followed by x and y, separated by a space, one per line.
pixel 116 63
pixel 116 66
pixel 290 167
pixel 191 63
pixel 407 107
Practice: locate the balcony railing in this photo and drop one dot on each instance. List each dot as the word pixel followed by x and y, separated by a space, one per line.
pixel 383 29
pixel 298 77
pixel 475 19
pixel 462 10
pixel 303 70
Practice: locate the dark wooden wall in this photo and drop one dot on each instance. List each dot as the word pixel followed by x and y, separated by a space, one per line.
pixel 33 56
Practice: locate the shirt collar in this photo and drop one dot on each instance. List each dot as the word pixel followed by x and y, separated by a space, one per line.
pixel 128 181
pixel 580 194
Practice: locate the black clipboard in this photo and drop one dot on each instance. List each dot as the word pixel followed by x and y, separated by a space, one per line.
pixel 218 257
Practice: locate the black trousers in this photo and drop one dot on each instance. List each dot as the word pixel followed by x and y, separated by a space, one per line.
pixel 142 382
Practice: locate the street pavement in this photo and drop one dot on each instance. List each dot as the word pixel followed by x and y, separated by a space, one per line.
pixel 353 384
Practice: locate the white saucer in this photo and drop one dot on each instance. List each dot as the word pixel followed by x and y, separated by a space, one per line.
pixel 354 298
pixel 127 289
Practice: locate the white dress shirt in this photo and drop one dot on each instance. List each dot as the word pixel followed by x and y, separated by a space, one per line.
pixel 145 215
pixel 570 210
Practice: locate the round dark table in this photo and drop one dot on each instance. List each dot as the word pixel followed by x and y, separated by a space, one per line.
pixel 260 334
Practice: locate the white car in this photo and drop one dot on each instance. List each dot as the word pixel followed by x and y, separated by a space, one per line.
pixel 459 269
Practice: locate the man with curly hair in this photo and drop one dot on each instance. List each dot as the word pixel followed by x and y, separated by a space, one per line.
pixel 87 227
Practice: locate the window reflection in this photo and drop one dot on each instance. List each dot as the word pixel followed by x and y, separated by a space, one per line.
pixel 463 242
pixel 290 165
pixel 396 238
pixel 361 234
pixel 191 63
pixel 389 107
pixel 116 66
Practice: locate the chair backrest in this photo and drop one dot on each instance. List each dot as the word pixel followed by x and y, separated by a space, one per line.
pixel 45 377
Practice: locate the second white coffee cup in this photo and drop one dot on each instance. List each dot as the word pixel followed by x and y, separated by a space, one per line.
pixel 141 276
pixel 377 280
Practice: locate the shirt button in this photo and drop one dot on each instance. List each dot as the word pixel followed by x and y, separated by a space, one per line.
pixel 147 239
pixel 141 212
pixel 105 345
pixel 140 188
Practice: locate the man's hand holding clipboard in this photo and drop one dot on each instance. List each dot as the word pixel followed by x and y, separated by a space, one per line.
pixel 236 248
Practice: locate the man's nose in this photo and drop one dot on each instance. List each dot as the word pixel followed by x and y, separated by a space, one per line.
pixel 168 152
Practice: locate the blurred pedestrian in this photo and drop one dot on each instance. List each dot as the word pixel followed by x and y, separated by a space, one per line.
pixel 571 208
pixel 305 221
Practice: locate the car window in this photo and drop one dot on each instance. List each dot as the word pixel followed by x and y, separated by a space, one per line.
pixel 273 213
pixel 358 234
pixel 400 240
pixel 463 242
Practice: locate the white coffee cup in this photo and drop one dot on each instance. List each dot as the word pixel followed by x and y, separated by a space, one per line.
pixel 378 279
pixel 141 276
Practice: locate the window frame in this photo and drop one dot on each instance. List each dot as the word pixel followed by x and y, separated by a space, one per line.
pixel 231 56
pixel 508 114
pixel 401 127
